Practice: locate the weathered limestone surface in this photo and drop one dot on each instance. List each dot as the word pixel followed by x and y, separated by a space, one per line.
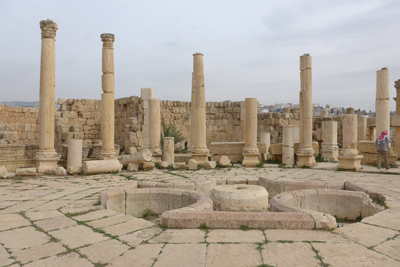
pixel 107 98
pixel 74 160
pixel 329 146
pixel 46 156
pixel 305 152
pixel 200 151
pixel 382 106
pixel 250 151
pixel 155 129
pixel 101 166
pixel 288 146
pixel 397 127
pixel 169 150
pixel 140 157
pixel 240 198
pixel 348 157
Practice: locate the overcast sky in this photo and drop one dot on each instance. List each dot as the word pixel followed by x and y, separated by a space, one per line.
pixel 251 48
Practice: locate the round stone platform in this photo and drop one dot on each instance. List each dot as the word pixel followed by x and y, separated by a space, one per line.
pixel 240 197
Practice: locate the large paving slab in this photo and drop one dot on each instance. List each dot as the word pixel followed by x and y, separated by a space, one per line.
pixel 104 252
pixel 180 236
pixel 193 255
pixel 389 218
pixel 390 248
pixel 36 253
pixel 303 235
pixel 22 238
pixel 55 223
pixel 5 258
pixel 68 260
pixel 346 254
pixel 143 256
pixel 232 255
pixel 289 254
pixel 128 227
pixel 365 234
pixel 136 238
pixel 10 221
pixel 77 236
pixel 235 236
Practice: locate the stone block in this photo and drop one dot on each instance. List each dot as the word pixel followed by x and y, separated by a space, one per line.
pixel 164 165
pixel 25 172
pixel 113 200
pixel 132 167
pixel 60 171
pixel 137 201
pixel 273 187
pixel 3 172
pixel 208 165
pixel 175 199
pixel 179 165
pixel 192 165
pixel 101 166
pixel 367 147
pixel 224 161
pixel 148 166
pixel 158 198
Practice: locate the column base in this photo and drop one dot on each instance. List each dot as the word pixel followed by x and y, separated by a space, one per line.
pixel 350 163
pixel 305 157
pixel 107 154
pixel 330 152
pixel 250 159
pixel 200 158
pixel 157 154
pixel 46 161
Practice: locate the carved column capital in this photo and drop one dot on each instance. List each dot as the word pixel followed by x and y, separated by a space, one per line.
pixel 48 28
pixel 107 39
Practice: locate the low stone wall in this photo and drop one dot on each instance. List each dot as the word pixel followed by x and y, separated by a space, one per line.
pixel 321 204
pixel 14 156
pixel 234 150
pixel 368 150
pixel 275 150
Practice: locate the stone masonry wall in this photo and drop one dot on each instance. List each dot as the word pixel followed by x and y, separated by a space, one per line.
pixel 19 125
pixel 80 119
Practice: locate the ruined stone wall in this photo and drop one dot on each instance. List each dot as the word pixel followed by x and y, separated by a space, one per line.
pixel 19 125
pixel 77 119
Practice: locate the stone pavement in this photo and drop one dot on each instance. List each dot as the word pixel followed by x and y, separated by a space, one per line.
pixel 53 221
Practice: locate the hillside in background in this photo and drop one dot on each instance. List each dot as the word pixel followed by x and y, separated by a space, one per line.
pixel 25 104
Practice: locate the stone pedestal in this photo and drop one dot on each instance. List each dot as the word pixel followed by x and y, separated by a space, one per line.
pixel 74 158
pixel 288 146
pixel 305 154
pixel 107 98
pixel 348 157
pixel 46 157
pixel 155 129
pixel 200 151
pixel 250 151
pixel 169 150
pixel 329 145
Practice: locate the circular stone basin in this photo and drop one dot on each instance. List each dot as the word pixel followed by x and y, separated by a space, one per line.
pixel 240 197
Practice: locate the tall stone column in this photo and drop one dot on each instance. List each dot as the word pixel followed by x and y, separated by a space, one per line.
pixel 348 156
pixel 250 150
pixel 397 119
pixel 329 145
pixel 107 98
pixel 192 130
pixel 155 129
pixel 288 145
pixel 362 128
pixel 146 95
pixel 305 153
pixel 242 120
pixel 200 151
pixel 46 156
pixel 382 105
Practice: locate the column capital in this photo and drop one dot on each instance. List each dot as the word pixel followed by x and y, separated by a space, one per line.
pixel 107 37
pixel 397 84
pixel 48 28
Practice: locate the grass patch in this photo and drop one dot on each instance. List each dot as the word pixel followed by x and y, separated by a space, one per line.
pixel 244 227
pixel 260 165
pixel 273 161
pixel 319 158
pixel 204 227
pixel 148 213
